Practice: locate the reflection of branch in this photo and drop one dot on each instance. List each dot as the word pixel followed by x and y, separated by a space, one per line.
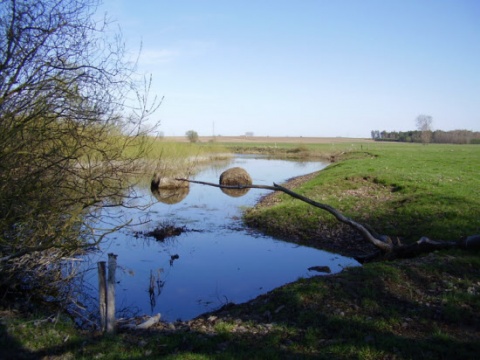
pixel 383 242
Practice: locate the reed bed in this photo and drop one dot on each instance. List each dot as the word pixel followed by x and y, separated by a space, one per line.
pixel 172 158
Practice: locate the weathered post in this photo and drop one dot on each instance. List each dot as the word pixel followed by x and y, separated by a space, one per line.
pixel 112 266
pixel 102 294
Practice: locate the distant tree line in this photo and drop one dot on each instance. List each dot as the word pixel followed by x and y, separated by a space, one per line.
pixel 437 136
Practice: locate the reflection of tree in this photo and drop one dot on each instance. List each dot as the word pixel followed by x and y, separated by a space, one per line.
pixel 155 282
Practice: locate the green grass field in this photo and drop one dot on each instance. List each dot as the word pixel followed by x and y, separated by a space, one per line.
pixel 404 190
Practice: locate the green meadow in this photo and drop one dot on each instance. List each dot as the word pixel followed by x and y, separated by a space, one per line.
pixel 403 190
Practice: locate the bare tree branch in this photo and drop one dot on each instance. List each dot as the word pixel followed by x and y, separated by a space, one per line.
pixel 387 249
pixel 384 245
pixel 73 124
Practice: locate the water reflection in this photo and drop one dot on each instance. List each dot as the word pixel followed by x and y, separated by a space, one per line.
pixel 235 192
pixel 155 284
pixel 171 196
pixel 216 260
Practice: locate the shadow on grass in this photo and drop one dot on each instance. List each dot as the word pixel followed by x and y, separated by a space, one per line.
pixel 10 348
pixel 361 314
pixel 383 310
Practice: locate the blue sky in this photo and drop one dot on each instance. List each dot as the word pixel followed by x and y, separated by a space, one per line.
pixel 307 67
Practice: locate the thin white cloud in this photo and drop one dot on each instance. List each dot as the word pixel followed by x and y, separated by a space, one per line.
pixel 185 49
pixel 157 56
pixel 198 47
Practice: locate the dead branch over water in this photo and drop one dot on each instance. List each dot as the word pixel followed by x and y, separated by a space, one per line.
pixel 387 248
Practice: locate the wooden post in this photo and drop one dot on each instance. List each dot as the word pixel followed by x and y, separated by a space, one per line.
pixel 102 294
pixel 112 266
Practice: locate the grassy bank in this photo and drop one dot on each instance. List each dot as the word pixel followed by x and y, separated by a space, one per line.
pixel 426 308
pixel 404 190
pixel 423 308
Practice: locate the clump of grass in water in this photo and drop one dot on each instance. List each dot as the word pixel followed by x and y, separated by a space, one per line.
pixel 165 230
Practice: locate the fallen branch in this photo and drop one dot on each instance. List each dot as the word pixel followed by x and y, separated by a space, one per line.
pixel 388 250
pixel 382 242
pixel 149 323
pixel 143 326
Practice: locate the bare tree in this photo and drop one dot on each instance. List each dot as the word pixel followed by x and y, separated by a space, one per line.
pixel 66 145
pixel 424 125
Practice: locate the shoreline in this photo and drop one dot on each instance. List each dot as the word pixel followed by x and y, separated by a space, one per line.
pixel 338 239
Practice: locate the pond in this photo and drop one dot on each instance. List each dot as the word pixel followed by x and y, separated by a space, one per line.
pixel 216 260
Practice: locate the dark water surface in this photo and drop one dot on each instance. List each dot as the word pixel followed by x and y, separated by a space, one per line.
pixel 217 260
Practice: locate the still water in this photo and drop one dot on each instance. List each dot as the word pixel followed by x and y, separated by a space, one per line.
pixel 217 260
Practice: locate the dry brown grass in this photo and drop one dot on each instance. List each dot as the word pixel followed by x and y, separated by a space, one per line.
pixel 272 139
